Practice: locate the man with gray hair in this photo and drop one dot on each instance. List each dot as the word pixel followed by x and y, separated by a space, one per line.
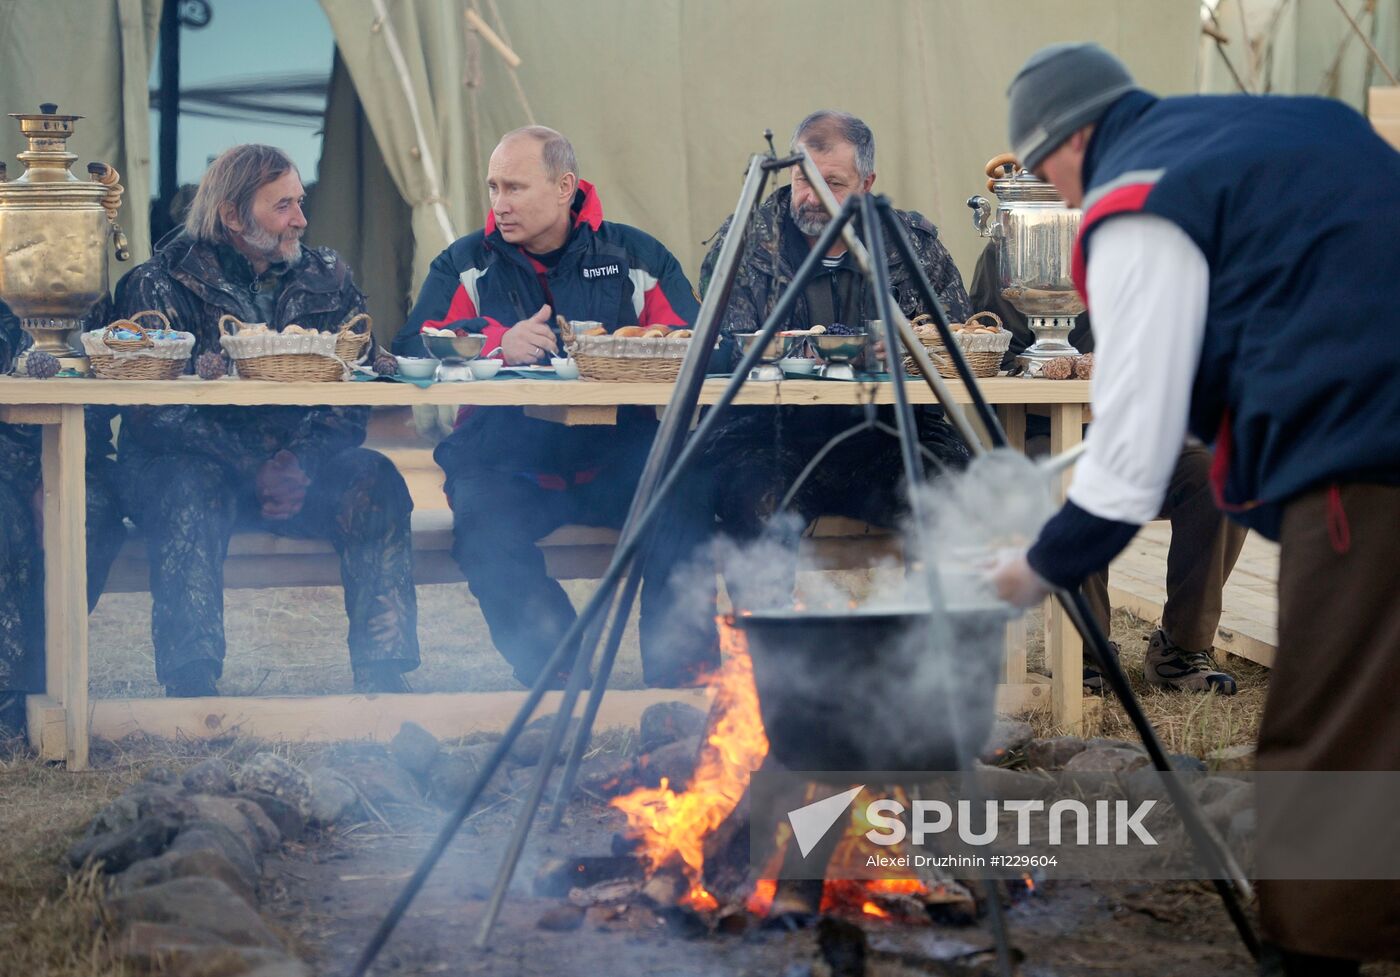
pixel 191 474
pixel 759 452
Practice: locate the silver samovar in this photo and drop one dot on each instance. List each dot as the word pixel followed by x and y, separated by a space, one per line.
pixel 53 237
pixel 1035 234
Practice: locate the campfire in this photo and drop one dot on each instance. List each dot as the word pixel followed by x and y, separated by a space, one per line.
pixel 675 829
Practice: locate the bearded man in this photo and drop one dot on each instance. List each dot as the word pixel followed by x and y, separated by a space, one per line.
pixel 190 474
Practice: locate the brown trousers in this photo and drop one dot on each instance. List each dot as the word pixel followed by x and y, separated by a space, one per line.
pixel 1203 551
pixel 1332 698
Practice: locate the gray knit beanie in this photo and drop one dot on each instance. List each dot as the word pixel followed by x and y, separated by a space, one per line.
pixel 1060 89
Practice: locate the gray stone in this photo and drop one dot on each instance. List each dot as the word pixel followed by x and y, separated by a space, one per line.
pixel 201 904
pixel 286 818
pixel 561 919
pixel 162 775
pixel 269 774
pixel 1054 752
pixel 333 798
pixel 674 762
pixel 1102 742
pixel 166 948
pixel 1107 759
pixel 1243 827
pixel 213 836
pixel 117 850
pixel 141 802
pixel 1211 789
pixel 1231 758
pixel 453 773
pixel 212 776
pixel 198 863
pixel 414 749
pixel 1222 811
pixel 1186 763
pixel 226 811
pixel 666 722
pixel 1008 738
pixel 529 745
pixel 381 781
pixel 607 775
pixel 1003 784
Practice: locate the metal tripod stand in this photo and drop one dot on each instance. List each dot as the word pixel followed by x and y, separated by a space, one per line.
pixel 672 453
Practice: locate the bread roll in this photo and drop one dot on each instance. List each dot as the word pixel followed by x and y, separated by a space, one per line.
pixel 629 331
pixel 679 334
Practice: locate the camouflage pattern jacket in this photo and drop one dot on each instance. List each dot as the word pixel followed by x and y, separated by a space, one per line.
pixel 19 443
pixel 194 283
pixel 775 247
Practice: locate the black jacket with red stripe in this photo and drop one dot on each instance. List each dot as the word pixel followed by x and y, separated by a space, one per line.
pixel 609 273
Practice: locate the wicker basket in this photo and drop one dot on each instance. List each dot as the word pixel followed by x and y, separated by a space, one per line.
pixel 626 359
pixel 285 358
pixel 142 358
pixel 352 342
pixel 983 351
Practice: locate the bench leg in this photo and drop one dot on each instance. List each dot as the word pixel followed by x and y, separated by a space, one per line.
pixel 65 590
pixel 1064 650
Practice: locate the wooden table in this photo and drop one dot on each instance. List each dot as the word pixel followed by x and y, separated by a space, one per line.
pixel 58 720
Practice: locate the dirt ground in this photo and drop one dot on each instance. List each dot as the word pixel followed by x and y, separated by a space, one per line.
pixel 328 894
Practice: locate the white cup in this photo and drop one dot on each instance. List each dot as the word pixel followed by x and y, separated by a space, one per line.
pixel 564 368
pixel 484 369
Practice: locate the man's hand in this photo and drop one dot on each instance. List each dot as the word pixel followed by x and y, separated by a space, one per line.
pixel 1015 581
pixel 529 339
pixel 281 486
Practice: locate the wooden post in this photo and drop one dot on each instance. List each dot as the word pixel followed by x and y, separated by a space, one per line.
pixel 1064 650
pixel 1013 422
pixel 65 577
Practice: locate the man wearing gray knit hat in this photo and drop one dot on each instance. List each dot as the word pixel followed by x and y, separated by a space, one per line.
pixel 1219 237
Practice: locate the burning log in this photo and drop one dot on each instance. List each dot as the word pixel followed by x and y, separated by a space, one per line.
pixel 558 876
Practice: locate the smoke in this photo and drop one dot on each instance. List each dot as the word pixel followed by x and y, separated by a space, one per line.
pixel 868 678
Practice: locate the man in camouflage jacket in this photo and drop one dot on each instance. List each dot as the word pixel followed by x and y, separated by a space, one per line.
pixel 21 549
pixel 758 453
pixel 192 474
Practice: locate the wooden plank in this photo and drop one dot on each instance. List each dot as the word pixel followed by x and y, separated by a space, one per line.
pixel 1013 422
pixel 65 583
pixel 1383 107
pixel 1064 650
pixel 598 414
pixel 48 727
pixel 513 392
pixel 325 718
pixel 28 414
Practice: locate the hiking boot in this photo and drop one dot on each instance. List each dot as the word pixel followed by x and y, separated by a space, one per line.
pixel 380 677
pixel 1093 678
pixel 193 681
pixel 1169 665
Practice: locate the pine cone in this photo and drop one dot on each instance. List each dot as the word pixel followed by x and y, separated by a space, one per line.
pixel 41 365
pixel 386 366
pixel 1060 368
pixel 211 365
pixel 1084 367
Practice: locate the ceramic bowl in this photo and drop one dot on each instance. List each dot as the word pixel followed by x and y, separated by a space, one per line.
pixel 793 364
pixel 485 369
pixel 417 367
pixel 564 368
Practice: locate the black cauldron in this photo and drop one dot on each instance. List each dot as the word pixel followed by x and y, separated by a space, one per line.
pixel 867 690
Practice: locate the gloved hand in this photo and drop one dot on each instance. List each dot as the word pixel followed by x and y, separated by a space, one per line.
pixel 1014 580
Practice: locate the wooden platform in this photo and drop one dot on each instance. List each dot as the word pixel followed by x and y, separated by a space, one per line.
pixel 1249 622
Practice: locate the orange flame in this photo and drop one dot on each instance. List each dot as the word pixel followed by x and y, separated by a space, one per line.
pixel 673 824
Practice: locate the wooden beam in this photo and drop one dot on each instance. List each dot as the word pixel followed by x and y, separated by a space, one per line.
pixel 1384 110
pixel 65 585
pixel 327 718
pixel 1013 422
pixel 1064 651
pixel 28 414
pixel 48 727
pixel 597 414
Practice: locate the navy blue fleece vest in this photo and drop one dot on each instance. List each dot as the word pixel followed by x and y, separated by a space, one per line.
pixel 1295 203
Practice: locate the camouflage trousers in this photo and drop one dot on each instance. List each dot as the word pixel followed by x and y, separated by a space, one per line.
pixel 22 571
pixel 189 506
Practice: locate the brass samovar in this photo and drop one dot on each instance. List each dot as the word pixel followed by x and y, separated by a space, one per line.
pixel 53 237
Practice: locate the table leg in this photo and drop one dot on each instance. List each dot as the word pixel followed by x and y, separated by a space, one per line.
pixel 1064 650
pixel 1013 422
pixel 65 578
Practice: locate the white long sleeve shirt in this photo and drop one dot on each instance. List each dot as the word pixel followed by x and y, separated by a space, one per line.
pixel 1148 287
